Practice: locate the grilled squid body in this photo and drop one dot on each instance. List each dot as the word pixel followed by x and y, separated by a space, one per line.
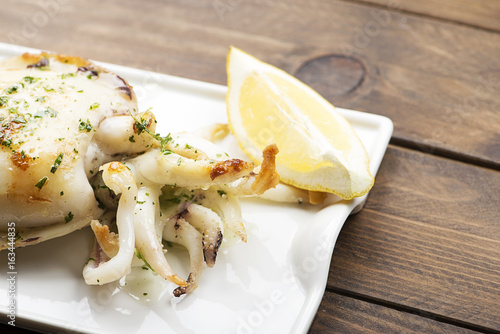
pixel 74 151
pixel 56 117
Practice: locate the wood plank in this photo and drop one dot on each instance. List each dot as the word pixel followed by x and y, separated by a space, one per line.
pixel 339 314
pixel 481 13
pixel 428 239
pixel 438 81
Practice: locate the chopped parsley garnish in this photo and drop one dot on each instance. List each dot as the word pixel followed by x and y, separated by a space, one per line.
pixel 221 192
pixel 131 139
pixel 163 142
pixel 49 111
pixel 30 80
pixel 142 126
pixel 18 236
pixel 139 255
pixel 167 151
pixel 67 75
pixel 175 200
pixel 42 181
pixel 85 126
pixel 57 162
pixel 94 106
pixel 19 119
pixel 3 100
pixel 69 217
pixel 12 89
pixel 7 142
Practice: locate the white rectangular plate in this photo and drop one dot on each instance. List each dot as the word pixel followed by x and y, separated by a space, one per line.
pixel 272 284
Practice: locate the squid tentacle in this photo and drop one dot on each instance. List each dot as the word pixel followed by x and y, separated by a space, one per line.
pixel 211 224
pixel 178 230
pixel 147 240
pixel 228 208
pixel 119 179
pixel 257 183
pixel 205 191
pixel 174 169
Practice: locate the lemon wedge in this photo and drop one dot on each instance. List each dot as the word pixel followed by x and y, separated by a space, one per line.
pixel 318 149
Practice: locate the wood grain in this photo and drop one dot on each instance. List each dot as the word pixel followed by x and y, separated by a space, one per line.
pixel 339 314
pixel 428 239
pixel 436 80
pixel 483 13
pixel 429 236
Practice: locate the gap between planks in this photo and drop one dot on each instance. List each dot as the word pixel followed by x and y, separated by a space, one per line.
pixel 422 15
pixel 411 310
pixel 444 153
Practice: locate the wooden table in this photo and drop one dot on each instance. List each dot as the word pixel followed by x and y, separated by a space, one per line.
pixel 424 254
